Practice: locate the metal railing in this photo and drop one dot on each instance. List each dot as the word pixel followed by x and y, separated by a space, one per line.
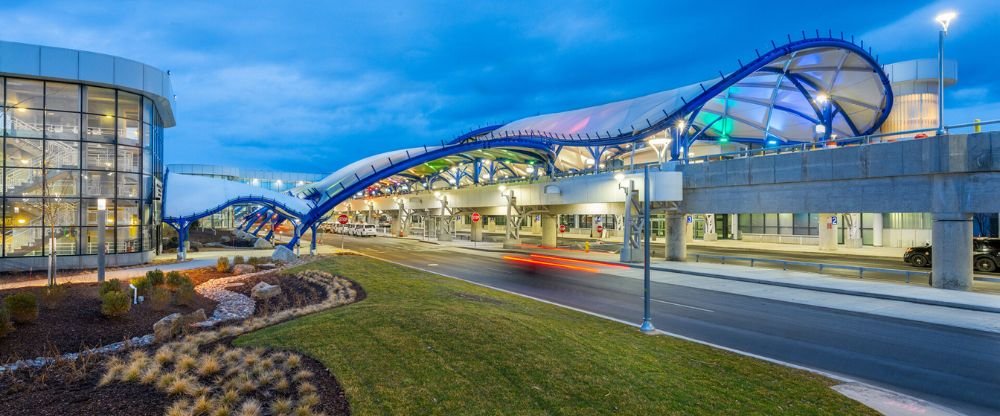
pixel 819 266
pixel 856 140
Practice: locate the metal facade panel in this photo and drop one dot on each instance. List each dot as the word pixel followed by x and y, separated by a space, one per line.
pixel 128 73
pixel 152 80
pixel 97 67
pixel 18 58
pixel 59 63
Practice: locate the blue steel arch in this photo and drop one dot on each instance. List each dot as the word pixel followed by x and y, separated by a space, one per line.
pixel 492 136
pixel 326 204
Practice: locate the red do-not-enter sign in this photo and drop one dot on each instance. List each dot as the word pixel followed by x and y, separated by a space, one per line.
pixel 600 228
pixel 342 218
pixel 562 228
pixel 476 217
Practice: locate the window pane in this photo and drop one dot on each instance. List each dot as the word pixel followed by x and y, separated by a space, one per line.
pixel 100 101
pixel 90 213
pixel 128 159
pixel 147 162
pixel 24 123
pixel 23 241
pixel 89 236
pixel 128 132
pixel 147 111
pixel 62 183
pixel 22 212
pixel 59 125
pixel 128 185
pixel 62 211
pixel 24 153
pixel 66 240
pixel 128 105
pixel 59 96
pixel 99 184
pixel 100 128
pixel 127 212
pixel 23 93
pixel 128 239
pixel 146 132
pixel 99 156
pixel 60 154
pixel 23 182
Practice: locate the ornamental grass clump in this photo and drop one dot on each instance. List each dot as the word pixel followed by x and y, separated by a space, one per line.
pixel 22 307
pixel 222 265
pixel 6 325
pixel 108 286
pixel 53 295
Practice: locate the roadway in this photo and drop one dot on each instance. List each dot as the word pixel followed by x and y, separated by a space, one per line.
pixel 957 368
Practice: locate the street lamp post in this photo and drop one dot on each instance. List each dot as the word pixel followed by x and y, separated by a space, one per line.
pixel 647 316
pixel 944 19
pixel 102 219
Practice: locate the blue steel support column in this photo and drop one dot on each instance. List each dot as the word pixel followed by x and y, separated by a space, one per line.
pixel 276 224
pixel 263 221
pixel 182 237
pixel 647 316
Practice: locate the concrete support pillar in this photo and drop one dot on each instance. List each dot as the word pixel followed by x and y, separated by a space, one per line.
pixel 396 226
pixel 827 231
pixel 877 227
pixel 951 260
pixel 443 229
pixel 491 224
pixel 734 226
pixel 550 230
pixel 711 234
pixel 536 226
pixel 676 236
pixel 853 223
pixel 476 231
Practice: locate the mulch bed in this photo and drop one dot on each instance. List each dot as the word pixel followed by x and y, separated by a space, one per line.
pixel 77 324
pixel 204 274
pixel 64 389
pixel 295 292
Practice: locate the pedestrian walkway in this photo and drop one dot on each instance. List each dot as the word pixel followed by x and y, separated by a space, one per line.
pixel 969 310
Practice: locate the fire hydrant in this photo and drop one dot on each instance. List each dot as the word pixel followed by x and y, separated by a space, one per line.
pixel 586 246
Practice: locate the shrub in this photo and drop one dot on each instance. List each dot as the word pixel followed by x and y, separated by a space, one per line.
pixel 184 294
pixel 6 326
pixel 108 286
pixel 155 277
pixel 222 265
pixel 52 296
pixel 159 298
pixel 175 279
pixel 239 260
pixel 23 307
pixel 142 285
pixel 115 304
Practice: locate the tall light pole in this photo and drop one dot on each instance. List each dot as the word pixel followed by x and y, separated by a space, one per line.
pixel 102 222
pixel 944 19
pixel 647 315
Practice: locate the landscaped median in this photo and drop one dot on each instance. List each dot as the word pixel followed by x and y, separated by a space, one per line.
pixel 422 343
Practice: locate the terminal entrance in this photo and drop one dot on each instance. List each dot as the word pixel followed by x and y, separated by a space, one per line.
pixel 722 227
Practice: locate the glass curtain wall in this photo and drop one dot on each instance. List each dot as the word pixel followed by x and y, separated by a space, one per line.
pixel 64 147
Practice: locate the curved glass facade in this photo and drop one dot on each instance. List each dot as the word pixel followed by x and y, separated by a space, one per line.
pixel 65 146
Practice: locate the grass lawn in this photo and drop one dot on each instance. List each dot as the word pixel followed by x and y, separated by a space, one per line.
pixel 422 343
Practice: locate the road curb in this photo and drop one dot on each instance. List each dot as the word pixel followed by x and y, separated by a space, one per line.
pixel 931 302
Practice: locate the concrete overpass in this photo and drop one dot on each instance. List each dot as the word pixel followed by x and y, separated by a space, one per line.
pixel 952 177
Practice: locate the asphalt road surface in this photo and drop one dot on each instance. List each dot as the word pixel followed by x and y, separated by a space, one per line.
pixel 956 368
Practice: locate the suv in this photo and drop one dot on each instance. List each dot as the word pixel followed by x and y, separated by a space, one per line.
pixel 985 255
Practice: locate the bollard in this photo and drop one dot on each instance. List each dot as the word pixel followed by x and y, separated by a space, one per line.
pixel 977 127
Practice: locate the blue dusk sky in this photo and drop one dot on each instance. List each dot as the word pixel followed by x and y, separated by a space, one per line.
pixel 312 86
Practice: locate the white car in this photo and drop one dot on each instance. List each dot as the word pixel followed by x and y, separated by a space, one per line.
pixel 367 230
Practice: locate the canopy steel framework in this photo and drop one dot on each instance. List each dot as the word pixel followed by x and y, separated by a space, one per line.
pixel 805 91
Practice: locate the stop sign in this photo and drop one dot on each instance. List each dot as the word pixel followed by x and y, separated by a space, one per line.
pixel 600 228
pixel 475 217
pixel 342 219
pixel 562 228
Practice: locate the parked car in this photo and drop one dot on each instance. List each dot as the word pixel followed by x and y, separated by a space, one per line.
pixel 985 255
pixel 367 230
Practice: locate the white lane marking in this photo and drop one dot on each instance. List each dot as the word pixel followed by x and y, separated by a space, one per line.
pixel 432 264
pixel 680 304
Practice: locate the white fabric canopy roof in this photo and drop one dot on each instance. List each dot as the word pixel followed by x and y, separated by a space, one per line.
pixel 193 195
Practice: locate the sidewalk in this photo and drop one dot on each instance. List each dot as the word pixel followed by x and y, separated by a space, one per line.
pixel 975 311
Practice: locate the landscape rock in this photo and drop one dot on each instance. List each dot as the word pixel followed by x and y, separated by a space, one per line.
pixel 168 327
pixel 194 317
pixel 214 244
pixel 283 254
pixel 262 243
pixel 242 269
pixel 264 291
pixel 224 239
pixel 267 266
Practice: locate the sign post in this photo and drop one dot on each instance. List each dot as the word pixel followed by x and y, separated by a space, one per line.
pixel 475 219
pixel 342 219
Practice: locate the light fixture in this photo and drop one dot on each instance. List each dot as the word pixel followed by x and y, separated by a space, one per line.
pixel 659 141
pixel 102 204
pixel 822 98
pixel 503 188
pixel 588 161
pixel 944 19
pixel 680 124
pixel 529 169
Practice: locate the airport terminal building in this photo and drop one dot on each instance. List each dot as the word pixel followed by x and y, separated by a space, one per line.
pixel 79 127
